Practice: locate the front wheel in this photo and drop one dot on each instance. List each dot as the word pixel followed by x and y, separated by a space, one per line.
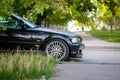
pixel 57 49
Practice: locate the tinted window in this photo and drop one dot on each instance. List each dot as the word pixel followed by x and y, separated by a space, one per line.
pixel 8 22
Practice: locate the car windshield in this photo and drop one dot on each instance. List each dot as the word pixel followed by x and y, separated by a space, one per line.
pixel 25 20
pixel 30 24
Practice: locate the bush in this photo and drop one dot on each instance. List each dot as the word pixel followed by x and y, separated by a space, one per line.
pixel 25 66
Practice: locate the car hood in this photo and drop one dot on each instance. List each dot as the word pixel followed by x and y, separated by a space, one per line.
pixel 55 31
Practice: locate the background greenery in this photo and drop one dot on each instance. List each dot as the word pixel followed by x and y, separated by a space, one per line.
pixel 106 35
pixel 50 11
pixel 60 12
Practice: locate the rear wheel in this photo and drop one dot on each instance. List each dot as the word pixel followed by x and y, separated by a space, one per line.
pixel 57 49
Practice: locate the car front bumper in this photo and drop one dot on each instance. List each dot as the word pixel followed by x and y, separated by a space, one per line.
pixel 76 50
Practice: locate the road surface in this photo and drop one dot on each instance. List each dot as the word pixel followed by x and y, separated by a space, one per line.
pixel 101 61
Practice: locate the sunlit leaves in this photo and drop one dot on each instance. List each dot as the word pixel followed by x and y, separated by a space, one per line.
pixel 3 28
pixel 104 13
pixel 6 7
pixel 109 12
pixel 40 6
pixel 56 11
pixel 81 10
pixel 117 9
pixel 109 7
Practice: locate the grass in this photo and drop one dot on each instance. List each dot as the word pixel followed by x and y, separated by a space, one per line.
pixel 25 66
pixel 106 35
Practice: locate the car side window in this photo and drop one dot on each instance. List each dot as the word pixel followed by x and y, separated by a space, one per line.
pixel 8 22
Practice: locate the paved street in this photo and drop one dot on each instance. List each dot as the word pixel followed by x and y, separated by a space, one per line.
pixel 99 51
pixel 101 61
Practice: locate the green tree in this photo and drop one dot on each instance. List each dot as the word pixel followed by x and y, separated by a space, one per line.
pixel 51 11
pixel 81 9
pixel 6 7
pixel 109 12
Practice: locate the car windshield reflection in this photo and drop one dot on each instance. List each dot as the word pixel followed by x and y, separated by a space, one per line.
pixel 26 21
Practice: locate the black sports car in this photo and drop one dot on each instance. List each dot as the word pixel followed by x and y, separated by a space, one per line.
pixel 21 32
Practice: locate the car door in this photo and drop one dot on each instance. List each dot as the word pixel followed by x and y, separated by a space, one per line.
pixel 15 36
pixel 20 38
pixel 38 38
pixel 5 35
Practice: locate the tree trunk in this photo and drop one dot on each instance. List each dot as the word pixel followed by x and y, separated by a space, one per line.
pixel 111 23
pixel 48 23
pixel 40 18
pixel 111 28
pixel 45 23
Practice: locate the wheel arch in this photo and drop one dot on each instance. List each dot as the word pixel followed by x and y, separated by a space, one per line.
pixel 56 38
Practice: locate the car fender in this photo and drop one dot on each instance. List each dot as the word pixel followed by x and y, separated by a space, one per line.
pixel 65 39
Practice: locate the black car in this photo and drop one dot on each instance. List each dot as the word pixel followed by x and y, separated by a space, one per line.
pixel 21 32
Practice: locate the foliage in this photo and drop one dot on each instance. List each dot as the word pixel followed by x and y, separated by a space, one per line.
pixel 109 12
pixel 6 7
pixel 81 9
pixel 52 11
pixel 106 35
pixel 25 66
pixel 86 12
pixel 3 28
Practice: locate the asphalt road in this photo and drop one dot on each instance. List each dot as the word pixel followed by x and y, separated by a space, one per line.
pixel 101 61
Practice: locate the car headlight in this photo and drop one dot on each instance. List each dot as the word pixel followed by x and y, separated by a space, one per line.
pixel 74 40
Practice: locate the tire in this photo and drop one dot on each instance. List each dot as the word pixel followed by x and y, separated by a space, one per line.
pixel 57 49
